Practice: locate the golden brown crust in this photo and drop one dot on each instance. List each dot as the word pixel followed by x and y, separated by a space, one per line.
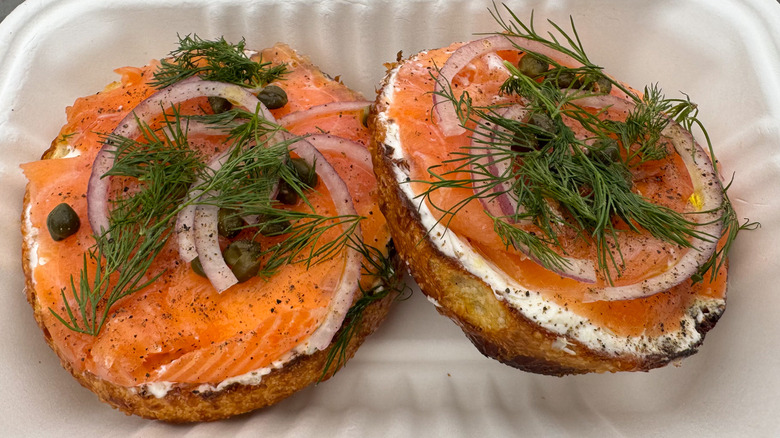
pixel 185 403
pixel 495 328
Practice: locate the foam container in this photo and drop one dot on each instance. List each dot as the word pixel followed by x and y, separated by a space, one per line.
pixel 418 375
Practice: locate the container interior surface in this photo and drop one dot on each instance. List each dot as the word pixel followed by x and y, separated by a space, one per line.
pixel 418 375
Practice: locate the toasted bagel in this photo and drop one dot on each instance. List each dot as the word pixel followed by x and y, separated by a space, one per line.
pixel 171 332
pixel 510 307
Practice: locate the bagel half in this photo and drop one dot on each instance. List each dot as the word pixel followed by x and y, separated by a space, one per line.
pixel 511 317
pixel 49 265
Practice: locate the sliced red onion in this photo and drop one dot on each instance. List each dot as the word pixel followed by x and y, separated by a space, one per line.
pixel 97 191
pixel 446 116
pixel 221 277
pixel 324 109
pixel 212 260
pixel 206 234
pixel 495 62
pixel 708 189
pixel 505 204
pixel 350 276
pixel 185 220
pixel 351 150
pixel 198 128
pixel 185 234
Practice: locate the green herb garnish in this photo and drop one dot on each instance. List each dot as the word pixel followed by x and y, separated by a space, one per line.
pixel 387 281
pixel 215 60
pixel 164 166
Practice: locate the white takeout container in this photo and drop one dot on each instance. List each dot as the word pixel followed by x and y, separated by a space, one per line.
pixel 418 375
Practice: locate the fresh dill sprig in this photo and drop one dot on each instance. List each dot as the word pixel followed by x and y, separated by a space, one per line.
pixel 302 240
pixel 562 172
pixel 386 280
pixel 561 41
pixel 215 60
pixel 139 224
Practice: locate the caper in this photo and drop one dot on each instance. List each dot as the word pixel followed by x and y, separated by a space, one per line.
pixel 273 226
pixel 567 79
pixel 605 150
pixel 542 121
pixel 597 82
pixel 601 85
pixel 197 267
pixel 524 142
pixel 243 257
pixel 628 177
pixel 62 222
pixel 545 125
pixel 229 223
pixel 532 66
pixel 305 173
pixel 272 97
pixel 286 195
pixel 219 104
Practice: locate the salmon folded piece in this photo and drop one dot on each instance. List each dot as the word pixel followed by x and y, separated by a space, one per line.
pixel 565 221
pixel 189 254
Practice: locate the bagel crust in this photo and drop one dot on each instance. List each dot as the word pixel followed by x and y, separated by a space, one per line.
pixel 498 330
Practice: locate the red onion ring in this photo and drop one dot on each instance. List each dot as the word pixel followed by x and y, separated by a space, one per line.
pixel 505 204
pixel 446 116
pixel 185 224
pixel 321 110
pixel 351 150
pixel 185 220
pixel 221 277
pixel 97 190
pixel 328 143
pixel 350 276
pixel 206 236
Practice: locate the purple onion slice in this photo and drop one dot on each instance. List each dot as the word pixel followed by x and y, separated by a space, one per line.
pixel 97 191
pixel 446 116
pixel 324 109
pixel 503 203
pixel 351 150
pixel 350 275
